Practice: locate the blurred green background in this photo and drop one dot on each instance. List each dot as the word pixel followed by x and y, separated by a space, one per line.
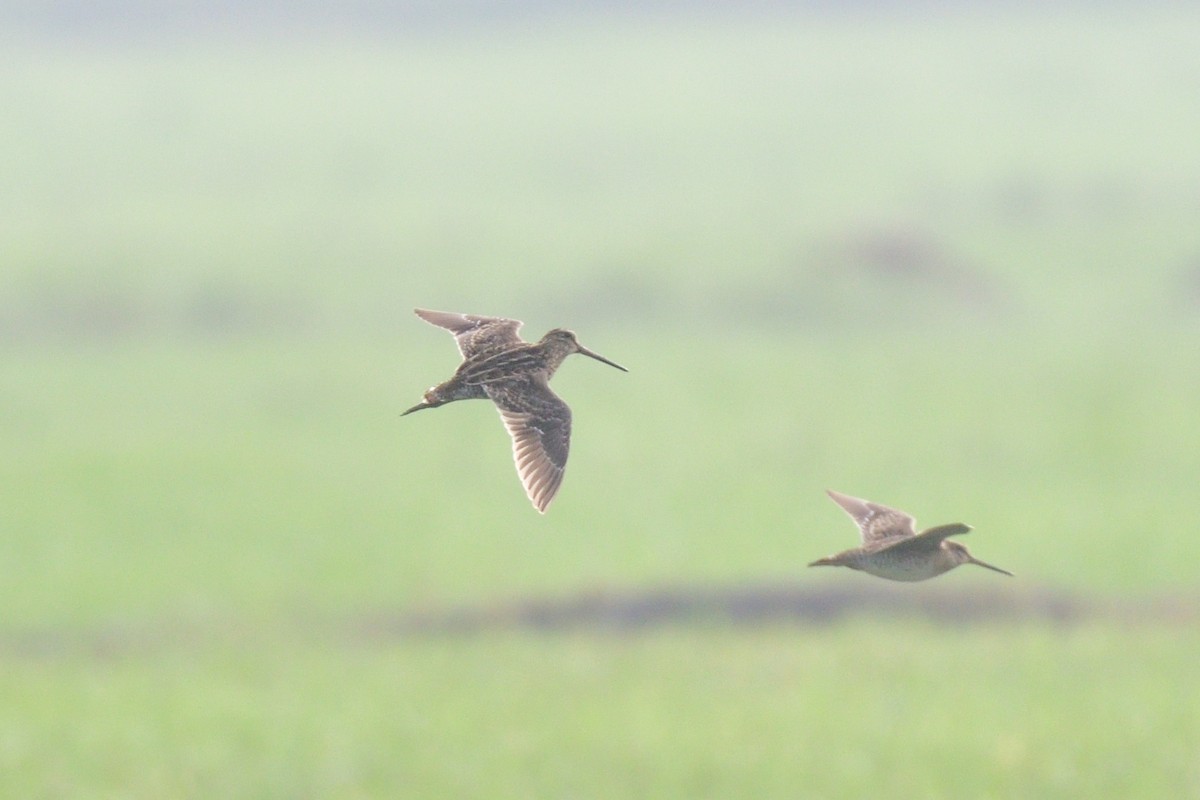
pixel 946 260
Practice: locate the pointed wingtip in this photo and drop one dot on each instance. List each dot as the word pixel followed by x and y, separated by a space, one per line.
pixel 848 503
pixel 429 314
pixel 542 493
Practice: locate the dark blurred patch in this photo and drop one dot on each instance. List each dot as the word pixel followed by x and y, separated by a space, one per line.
pixel 912 256
pixel 65 314
pixel 877 276
pixel 607 296
pixel 1188 294
pixel 112 642
pixel 101 315
pixel 226 311
pixel 741 605
pixel 755 604
pixel 1019 201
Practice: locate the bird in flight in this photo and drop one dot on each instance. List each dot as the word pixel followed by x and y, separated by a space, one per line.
pixel 500 366
pixel 891 547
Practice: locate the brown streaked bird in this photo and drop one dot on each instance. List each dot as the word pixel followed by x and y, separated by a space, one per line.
pixel 515 375
pixel 892 548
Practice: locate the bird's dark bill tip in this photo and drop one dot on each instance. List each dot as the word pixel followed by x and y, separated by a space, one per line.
pixel 600 358
pixel 418 407
pixel 993 568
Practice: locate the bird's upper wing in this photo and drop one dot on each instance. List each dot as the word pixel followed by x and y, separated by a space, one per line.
pixel 539 423
pixel 926 541
pixel 515 362
pixel 474 334
pixel 876 523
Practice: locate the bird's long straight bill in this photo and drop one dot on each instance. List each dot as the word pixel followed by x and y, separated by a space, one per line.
pixel 979 563
pixel 584 351
pixel 418 407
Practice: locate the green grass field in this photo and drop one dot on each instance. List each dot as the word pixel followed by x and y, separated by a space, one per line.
pixel 948 264
pixel 769 712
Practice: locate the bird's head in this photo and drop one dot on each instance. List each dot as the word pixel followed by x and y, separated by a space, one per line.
pixel 563 343
pixel 961 555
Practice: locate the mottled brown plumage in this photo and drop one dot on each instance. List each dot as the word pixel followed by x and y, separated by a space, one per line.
pixel 893 549
pixel 515 375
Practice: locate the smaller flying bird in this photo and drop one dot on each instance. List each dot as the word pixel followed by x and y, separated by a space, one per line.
pixel 891 547
pixel 515 375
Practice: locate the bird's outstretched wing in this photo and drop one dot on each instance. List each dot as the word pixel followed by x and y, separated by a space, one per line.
pixel 876 523
pixel 927 541
pixel 539 423
pixel 474 334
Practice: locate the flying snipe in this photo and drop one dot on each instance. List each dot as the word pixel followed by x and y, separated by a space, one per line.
pixel 515 375
pixel 892 549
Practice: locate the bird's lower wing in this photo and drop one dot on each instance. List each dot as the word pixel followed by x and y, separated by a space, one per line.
pixel 539 423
